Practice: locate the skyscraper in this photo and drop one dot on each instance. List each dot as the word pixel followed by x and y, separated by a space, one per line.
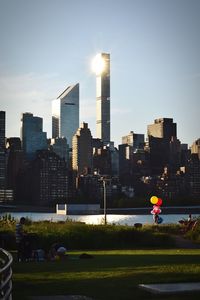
pixel 44 182
pixel 65 114
pixel 162 143
pixel 82 150
pixel 102 69
pixel 135 140
pixel 162 128
pixel 32 136
pixel 60 147
pixel 195 148
pixel 2 150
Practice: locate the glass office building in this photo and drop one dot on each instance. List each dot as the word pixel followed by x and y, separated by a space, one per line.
pixel 103 100
pixel 32 136
pixel 65 114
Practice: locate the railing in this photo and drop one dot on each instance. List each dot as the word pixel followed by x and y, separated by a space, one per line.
pixel 5 275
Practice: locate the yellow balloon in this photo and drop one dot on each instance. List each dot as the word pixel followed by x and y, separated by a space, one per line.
pixel 154 199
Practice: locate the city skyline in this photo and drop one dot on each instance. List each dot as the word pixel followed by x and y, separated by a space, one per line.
pixel 155 66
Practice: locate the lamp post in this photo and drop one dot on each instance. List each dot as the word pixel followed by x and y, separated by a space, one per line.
pixel 104 180
pixel 104 201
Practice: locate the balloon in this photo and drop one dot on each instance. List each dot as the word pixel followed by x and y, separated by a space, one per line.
pixel 156 211
pixel 156 206
pixel 159 203
pixel 154 200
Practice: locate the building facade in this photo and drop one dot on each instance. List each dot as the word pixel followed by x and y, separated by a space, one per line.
pixel 162 128
pixel 193 173
pixel 15 162
pixel 44 181
pixel 160 135
pixel 6 195
pixel 61 148
pixel 195 148
pixel 2 150
pixel 65 114
pixel 82 150
pixel 32 135
pixel 103 99
pixel 135 140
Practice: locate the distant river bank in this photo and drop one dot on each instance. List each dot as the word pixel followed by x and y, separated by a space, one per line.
pixel 124 211
pixel 114 216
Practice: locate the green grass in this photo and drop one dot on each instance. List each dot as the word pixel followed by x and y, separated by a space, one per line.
pixel 111 274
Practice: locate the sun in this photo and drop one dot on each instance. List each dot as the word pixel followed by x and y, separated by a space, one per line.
pixel 98 64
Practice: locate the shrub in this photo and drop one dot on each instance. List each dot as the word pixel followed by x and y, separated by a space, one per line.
pixel 81 236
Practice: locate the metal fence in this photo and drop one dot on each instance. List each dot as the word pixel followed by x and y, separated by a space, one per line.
pixel 5 275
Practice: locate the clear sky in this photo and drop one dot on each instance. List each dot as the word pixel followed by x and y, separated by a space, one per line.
pixel 47 45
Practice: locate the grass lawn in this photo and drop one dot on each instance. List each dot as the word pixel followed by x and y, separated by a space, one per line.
pixel 108 275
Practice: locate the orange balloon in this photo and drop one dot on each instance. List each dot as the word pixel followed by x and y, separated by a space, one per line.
pixel 154 200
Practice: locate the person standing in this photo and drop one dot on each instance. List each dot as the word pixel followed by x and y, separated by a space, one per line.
pixel 156 217
pixel 20 239
pixel 189 218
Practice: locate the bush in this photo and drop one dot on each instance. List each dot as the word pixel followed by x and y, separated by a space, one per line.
pixel 194 233
pixel 81 236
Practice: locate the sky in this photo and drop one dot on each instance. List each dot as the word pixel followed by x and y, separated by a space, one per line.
pixel 154 46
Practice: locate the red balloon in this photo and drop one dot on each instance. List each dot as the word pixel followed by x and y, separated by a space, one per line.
pixel 159 203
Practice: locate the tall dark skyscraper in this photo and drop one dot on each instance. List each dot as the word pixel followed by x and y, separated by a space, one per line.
pixel 102 69
pixel 82 149
pixel 2 150
pixel 163 143
pixel 32 135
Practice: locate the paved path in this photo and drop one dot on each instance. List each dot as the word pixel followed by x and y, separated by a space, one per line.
pixel 61 297
pixel 184 243
pixel 171 288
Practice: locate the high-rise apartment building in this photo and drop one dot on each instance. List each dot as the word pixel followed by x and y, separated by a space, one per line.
pixel 162 128
pixel 44 182
pixel 193 176
pixel 82 150
pixel 134 140
pixel 162 143
pixel 2 150
pixel 15 160
pixel 60 147
pixel 195 148
pixel 32 136
pixel 6 195
pixel 103 97
pixel 65 114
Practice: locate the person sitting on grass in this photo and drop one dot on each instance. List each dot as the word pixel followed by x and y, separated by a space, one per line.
pixel 57 251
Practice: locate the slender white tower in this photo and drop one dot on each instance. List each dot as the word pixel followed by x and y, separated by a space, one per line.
pixel 101 66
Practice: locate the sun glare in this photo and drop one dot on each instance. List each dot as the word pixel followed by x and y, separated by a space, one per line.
pixel 98 64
